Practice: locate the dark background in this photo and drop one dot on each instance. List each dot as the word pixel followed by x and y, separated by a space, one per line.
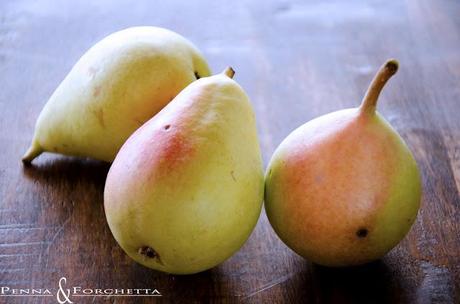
pixel 296 60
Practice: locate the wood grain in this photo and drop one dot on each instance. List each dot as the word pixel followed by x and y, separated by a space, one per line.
pixel 296 60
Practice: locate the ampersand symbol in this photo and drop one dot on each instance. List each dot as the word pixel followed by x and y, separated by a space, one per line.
pixel 63 293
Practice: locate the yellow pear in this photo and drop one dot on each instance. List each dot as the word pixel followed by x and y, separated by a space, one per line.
pixel 344 189
pixel 186 189
pixel 114 88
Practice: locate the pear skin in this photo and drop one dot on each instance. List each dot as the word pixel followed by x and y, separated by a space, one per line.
pixel 344 189
pixel 186 189
pixel 114 88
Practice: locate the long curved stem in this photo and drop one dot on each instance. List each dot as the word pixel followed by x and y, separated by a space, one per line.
pixel 369 103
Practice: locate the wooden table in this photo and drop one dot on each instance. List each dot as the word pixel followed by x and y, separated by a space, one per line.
pixel 296 61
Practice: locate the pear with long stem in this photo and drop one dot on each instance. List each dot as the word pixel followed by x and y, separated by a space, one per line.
pixel 344 189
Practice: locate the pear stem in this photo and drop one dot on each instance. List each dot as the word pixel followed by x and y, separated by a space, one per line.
pixel 369 103
pixel 229 72
pixel 34 151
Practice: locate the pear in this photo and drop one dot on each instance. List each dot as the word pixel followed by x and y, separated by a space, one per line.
pixel 186 189
pixel 114 88
pixel 344 189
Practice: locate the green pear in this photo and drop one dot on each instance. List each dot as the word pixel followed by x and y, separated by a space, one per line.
pixel 116 86
pixel 186 189
pixel 344 189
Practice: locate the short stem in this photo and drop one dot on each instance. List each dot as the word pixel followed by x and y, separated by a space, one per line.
pixel 34 151
pixel 229 72
pixel 369 103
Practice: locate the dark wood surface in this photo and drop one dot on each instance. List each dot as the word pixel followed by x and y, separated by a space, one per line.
pixel 296 60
